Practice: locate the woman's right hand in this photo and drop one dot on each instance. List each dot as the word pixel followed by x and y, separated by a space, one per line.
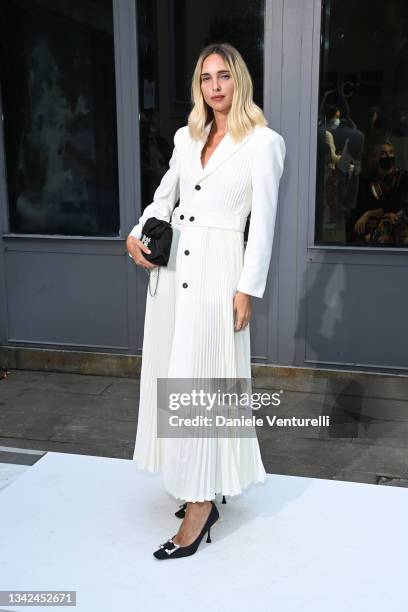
pixel 135 249
pixel 360 224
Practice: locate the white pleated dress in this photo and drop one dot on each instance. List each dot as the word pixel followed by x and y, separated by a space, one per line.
pixel 189 322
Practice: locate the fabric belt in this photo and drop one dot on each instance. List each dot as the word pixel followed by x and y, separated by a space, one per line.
pixel 196 217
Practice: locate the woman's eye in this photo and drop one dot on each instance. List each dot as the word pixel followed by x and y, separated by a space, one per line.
pixel 223 76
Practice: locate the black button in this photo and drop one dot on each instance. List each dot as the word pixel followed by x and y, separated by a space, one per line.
pixel 186 252
pixel 191 218
pixel 198 187
pixel 181 216
pixel 185 285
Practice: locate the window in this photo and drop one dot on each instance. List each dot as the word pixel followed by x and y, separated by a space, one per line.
pixel 58 99
pixel 171 36
pixel 362 153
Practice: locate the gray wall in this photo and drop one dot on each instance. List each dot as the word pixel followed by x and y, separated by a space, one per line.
pixel 339 307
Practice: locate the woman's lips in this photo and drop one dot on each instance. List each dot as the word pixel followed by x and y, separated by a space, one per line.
pixel 217 97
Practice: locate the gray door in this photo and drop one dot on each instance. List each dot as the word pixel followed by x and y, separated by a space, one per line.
pixel 170 37
pixel 64 185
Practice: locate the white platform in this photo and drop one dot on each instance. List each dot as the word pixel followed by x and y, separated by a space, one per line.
pixel 9 472
pixel 90 524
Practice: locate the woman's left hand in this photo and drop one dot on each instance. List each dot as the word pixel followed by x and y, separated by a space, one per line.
pixel 242 310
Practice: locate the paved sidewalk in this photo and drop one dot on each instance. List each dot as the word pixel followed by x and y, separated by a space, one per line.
pixel 97 415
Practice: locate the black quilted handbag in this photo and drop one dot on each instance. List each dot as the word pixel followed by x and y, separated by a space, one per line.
pixel 157 236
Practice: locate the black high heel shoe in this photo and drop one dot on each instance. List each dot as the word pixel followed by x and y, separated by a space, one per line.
pixel 182 512
pixel 170 549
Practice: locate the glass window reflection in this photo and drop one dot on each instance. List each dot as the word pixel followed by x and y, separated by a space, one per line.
pixel 59 104
pixel 362 153
pixel 170 37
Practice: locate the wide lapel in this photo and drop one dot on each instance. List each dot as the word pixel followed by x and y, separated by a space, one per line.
pixel 221 153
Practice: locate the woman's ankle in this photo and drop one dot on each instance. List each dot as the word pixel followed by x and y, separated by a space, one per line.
pixel 198 504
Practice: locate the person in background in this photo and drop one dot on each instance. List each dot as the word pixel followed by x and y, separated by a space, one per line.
pixel 381 211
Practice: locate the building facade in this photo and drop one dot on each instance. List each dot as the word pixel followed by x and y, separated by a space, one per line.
pixel 91 94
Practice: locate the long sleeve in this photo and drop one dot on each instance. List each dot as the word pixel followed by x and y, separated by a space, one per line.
pixel 166 194
pixel 266 173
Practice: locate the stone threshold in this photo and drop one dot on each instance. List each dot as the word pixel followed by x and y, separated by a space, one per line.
pixel 129 366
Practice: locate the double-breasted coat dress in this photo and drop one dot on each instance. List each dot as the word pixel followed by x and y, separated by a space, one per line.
pixel 189 322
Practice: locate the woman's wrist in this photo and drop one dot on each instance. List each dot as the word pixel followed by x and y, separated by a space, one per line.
pixel 246 294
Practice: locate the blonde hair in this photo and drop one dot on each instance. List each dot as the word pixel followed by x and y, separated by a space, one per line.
pixel 244 114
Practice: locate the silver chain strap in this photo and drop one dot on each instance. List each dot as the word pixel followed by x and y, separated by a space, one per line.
pixel 149 273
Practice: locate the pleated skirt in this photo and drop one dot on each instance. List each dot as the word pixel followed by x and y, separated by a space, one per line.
pixel 189 333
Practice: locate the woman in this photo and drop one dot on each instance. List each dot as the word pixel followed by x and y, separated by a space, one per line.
pixel 383 198
pixel 226 164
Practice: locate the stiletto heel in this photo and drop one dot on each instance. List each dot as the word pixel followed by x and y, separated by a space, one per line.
pixel 171 549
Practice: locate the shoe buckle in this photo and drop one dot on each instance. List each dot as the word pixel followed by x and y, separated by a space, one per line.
pixel 170 552
pixel 175 547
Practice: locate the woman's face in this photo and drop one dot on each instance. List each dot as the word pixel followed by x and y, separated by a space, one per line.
pixel 216 80
pixel 385 159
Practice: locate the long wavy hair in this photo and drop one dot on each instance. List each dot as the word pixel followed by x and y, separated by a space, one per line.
pixel 244 114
